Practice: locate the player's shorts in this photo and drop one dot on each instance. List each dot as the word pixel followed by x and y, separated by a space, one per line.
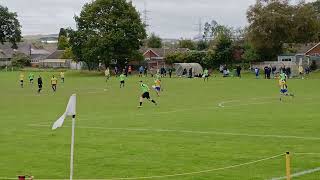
pixel 140 72
pixel 157 88
pixel 21 81
pixel 31 79
pixel 146 95
pixel 53 85
pixel 40 86
pixel 283 91
pixel 121 82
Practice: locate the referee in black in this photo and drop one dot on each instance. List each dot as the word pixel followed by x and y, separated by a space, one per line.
pixel 39 84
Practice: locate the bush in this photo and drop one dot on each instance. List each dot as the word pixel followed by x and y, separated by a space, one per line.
pixel 20 60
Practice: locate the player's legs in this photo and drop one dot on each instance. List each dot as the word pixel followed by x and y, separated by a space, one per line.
pixel 147 95
pixel 122 84
pixel 40 88
pixel 141 101
pixel 158 89
pixel 54 87
pixel 21 83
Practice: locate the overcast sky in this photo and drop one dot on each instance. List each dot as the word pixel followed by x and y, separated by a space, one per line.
pixel 167 18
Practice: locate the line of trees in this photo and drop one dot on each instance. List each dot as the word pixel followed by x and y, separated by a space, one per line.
pixel 109 30
pixel 272 24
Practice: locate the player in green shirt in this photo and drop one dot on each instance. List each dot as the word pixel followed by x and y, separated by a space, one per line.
pixel 283 77
pixel 122 78
pixel 206 75
pixel 31 77
pixel 145 94
pixel 158 76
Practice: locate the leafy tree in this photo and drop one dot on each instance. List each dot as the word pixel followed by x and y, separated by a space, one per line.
pixel 20 60
pixel 306 24
pixel 107 30
pixel 68 54
pixel 187 44
pixel 63 43
pixel 316 5
pixel 10 29
pixel 250 53
pixel 223 50
pixel 275 22
pixel 154 41
pixel 209 29
pixel 209 60
pixel 137 56
pixel 63 32
pixel 173 58
pixel 202 45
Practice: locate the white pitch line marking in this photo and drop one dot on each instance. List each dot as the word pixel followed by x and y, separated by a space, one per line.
pixel 188 173
pixel 191 132
pixel 298 174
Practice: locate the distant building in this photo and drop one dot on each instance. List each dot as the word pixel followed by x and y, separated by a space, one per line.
pixel 49 40
pixel 55 60
pixel 37 55
pixel 7 53
pixel 305 53
pixel 155 57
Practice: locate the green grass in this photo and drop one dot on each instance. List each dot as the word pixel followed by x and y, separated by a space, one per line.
pixel 115 139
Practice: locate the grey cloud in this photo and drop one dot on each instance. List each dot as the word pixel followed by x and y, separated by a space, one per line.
pixel 168 18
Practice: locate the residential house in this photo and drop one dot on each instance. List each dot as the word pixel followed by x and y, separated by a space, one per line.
pixel 55 60
pixel 155 57
pixel 37 55
pixel 305 53
pixel 6 52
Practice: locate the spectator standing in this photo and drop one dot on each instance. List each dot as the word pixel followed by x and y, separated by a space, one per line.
pixel 141 70
pixel 257 70
pixel 274 69
pixel 146 71
pixel 170 72
pixel 129 70
pixel 239 71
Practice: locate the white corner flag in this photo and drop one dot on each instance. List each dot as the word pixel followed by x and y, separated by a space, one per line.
pixel 70 111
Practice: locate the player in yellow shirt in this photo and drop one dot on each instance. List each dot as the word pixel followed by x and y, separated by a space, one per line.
pixel 54 82
pixel 62 76
pixel 157 86
pixel 301 72
pixel 21 77
pixel 284 89
pixel 107 74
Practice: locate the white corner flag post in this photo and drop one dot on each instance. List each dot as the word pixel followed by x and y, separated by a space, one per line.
pixel 70 111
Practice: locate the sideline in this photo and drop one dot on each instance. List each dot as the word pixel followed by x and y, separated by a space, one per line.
pixel 298 174
pixel 190 132
pixel 184 174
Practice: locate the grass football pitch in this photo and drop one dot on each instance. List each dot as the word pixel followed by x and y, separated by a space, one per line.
pixel 228 128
